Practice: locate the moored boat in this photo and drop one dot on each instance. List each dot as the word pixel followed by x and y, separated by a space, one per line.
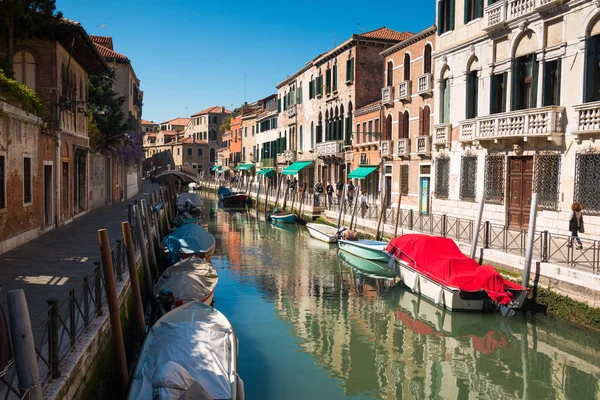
pixel 368 249
pixel 436 268
pixel 230 198
pixel 369 268
pixel 187 280
pixel 284 217
pixel 191 349
pixel 325 233
pixel 190 202
pixel 189 240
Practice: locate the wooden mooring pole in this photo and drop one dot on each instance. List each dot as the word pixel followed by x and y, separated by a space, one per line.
pixel 150 237
pixel 140 234
pixel 138 306
pixel 113 310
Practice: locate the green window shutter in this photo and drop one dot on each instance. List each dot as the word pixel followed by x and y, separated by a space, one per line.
pixel 348 69
pixel 479 11
pixel 495 83
pixel 335 77
pixel 513 86
pixel 440 17
pixel 590 74
pixel 278 105
pixel 534 81
pixel 352 68
pixel 504 89
pixel 451 12
pixel 558 79
pixel 467 11
pixel 546 95
pixel 328 81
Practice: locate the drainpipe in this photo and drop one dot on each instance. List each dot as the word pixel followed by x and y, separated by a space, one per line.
pixel 530 239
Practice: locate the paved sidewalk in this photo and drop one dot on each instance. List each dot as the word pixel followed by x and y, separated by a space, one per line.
pixel 58 260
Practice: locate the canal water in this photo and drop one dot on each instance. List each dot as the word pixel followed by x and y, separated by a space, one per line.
pixel 314 324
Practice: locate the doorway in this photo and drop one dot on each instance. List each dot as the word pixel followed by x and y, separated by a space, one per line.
pixel 520 178
pixel 48 195
pixel 65 189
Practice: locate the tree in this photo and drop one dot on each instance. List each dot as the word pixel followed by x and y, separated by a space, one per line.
pixel 21 19
pixel 226 125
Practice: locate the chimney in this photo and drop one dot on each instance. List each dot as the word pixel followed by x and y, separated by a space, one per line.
pixel 223 109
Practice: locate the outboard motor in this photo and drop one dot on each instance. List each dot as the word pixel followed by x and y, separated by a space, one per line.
pixel 166 298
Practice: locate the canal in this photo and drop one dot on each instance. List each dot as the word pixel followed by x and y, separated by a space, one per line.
pixel 315 324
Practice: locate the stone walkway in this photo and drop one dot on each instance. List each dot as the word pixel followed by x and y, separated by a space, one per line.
pixel 56 261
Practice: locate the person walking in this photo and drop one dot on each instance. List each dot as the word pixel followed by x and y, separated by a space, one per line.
pixel 350 191
pixel 363 203
pixel 318 188
pixel 329 190
pixel 576 225
pixel 339 191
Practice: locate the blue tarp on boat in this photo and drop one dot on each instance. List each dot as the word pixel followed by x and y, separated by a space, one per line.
pixel 193 239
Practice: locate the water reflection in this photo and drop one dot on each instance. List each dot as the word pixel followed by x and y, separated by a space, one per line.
pixel 375 339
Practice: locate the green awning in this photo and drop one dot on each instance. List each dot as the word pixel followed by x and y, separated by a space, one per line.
pixel 362 172
pixel 268 172
pixel 244 167
pixel 296 167
pixel 222 170
pixel 216 167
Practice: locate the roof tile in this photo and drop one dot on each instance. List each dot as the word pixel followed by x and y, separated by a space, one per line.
pixel 386 34
pixel 213 109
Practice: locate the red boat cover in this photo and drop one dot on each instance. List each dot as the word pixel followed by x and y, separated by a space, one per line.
pixel 441 260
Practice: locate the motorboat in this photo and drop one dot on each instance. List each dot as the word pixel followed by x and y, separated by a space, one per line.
pixel 190 352
pixel 230 198
pixel 188 280
pixel 189 202
pixel 283 217
pixel 437 269
pixel 325 233
pixel 372 250
pixel 187 241
pixel 369 268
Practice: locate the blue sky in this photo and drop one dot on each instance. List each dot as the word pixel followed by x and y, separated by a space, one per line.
pixel 192 54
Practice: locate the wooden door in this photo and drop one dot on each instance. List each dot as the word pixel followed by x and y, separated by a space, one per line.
pixel 520 178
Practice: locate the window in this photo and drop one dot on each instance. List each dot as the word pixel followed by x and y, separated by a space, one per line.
pixel 370 130
pixel 328 81
pixel 547 179
pixel 245 131
pixel 312 135
pixel 403 125
pixel 551 87
pixel 335 78
pixel 473 10
pixel 212 155
pixel 357 134
pixel 279 104
pixel 252 130
pixel 404 179
pixel 406 67
pixel 468 177
pixel 472 94
pixel 376 126
pixel 301 139
pixel 498 93
pixel 350 70
pixel 311 89
pixel 27 180
pixel 524 87
pixel 592 70
pixel 494 178
pixel 178 151
pixel 445 100
pixel 299 95
pixel 390 74
pixel 442 177
pixel 424 121
pixel 364 130
pixel 2 182
pixel 427 59
pixel 189 152
pixel 24 68
pixel 445 16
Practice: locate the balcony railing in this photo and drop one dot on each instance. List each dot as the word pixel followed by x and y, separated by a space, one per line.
pixel 387 95
pixel 588 119
pixel 291 112
pixel 332 148
pixel 505 11
pixel 423 145
pixel 386 148
pixel 425 84
pixel 535 122
pixel 403 147
pixel 443 134
pixel 404 91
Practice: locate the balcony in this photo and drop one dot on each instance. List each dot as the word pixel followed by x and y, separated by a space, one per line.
pixel 588 119
pixel 291 112
pixel 403 147
pixel 364 160
pixel 544 122
pixel 442 135
pixel 424 145
pixel 281 158
pixel 425 85
pixel 387 96
pixel 404 90
pixel 497 15
pixel 386 148
pixel 290 155
pixel 330 149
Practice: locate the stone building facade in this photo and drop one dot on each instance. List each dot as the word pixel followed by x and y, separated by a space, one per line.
pixel 204 128
pixel 366 146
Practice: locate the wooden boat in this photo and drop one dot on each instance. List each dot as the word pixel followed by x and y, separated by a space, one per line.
pixel 369 268
pixel 368 249
pixel 190 350
pixel 436 268
pixel 325 233
pixel 284 217
pixel 231 198
pixel 189 240
pixel 188 280
pixel 190 202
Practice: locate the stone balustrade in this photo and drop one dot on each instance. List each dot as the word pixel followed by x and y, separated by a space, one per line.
pixel 403 147
pixel 588 119
pixel 442 134
pixel 503 12
pixel 404 90
pixel 331 148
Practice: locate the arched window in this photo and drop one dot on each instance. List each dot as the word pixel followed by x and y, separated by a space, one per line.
pixel 301 139
pixel 390 73
pixel 445 96
pixel 424 121
pixel 212 155
pixel 312 135
pixel 427 59
pixel 320 129
pixel 327 132
pixel 348 138
pixel 387 132
pixel 472 94
pixel 403 125
pixel 406 67
pixel 24 68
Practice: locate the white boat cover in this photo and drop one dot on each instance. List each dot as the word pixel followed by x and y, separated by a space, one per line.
pixel 199 339
pixel 189 279
pixel 170 381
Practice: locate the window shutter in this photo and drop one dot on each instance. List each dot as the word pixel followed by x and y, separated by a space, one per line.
pixel 546 95
pixel 591 57
pixel 502 107
pixel 495 82
pixel 467 12
pixel 441 17
pixel 558 79
pixel 479 10
pixel 421 122
pixel 278 105
pixel 335 77
pixel 451 12
pixel 328 81
pixel 534 81
pixel 513 86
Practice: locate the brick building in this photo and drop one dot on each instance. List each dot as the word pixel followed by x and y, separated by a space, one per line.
pixel 365 143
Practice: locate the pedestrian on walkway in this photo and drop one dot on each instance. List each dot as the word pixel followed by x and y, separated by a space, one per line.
pixel 363 203
pixel 339 190
pixel 329 190
pixel 576 225
pixel 350 192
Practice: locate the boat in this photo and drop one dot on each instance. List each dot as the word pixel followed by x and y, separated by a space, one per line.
pixel 369 268
pixel 284 217
pixel 230 198
pixel 191 350
pixel 189 202
pixel 325 233
pixel 189 240
pixel 437 269
pixel 189 279
pixel 368 249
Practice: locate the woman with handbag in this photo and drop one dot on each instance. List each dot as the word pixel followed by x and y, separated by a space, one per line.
pixel 576 225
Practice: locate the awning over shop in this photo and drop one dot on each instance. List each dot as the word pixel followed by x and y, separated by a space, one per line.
pixel 362 172
pixel 244 167
pixel 296 167
pixel 222 170
pixel 216 167
pixel 268 172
